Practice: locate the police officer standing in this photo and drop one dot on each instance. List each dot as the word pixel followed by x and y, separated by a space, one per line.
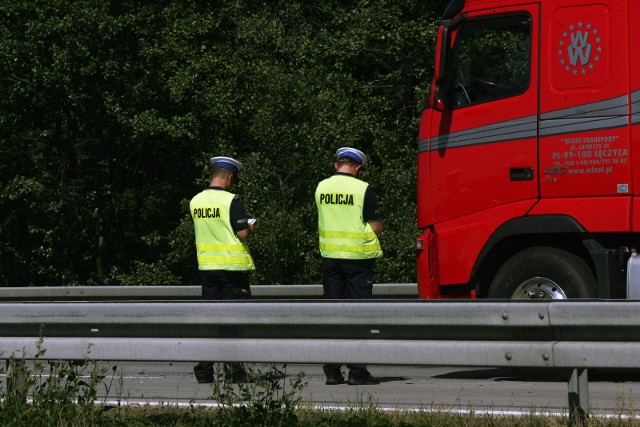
pixel 221 229
pixel 349 223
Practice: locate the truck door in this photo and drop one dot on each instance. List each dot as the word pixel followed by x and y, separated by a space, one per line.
pixel 585 153
pixel 483 135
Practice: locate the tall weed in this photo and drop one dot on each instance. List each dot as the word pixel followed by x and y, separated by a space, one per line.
pixel 265 401
pixel 42 392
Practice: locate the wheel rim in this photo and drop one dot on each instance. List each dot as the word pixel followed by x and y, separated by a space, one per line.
pixel 539 288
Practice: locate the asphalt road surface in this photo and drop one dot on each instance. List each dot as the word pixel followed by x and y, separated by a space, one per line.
pixel 427 388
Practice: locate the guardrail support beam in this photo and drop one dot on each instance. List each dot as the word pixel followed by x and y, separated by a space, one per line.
pixel 16 372
pixel 578 397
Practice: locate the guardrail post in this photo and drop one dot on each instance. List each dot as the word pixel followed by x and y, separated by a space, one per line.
pixel 578 397
pixel 16 378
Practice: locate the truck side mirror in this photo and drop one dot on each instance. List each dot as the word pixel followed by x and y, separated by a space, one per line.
pixel 442 56
pixel 439 99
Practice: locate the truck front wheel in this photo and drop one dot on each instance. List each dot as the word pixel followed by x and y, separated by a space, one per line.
pixel 543 273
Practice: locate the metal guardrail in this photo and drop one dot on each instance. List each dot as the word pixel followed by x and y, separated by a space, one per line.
pixel 92 293
pixel 571 335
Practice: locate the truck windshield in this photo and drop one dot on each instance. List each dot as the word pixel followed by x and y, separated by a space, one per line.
pixel 490 60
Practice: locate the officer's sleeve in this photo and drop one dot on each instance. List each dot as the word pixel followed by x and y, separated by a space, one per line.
pixel 371 211
pixel 237 215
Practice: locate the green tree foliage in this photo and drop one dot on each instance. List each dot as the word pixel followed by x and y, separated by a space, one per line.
pixel 109 112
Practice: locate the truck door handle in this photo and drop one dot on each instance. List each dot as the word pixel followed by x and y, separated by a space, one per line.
pixel 521 174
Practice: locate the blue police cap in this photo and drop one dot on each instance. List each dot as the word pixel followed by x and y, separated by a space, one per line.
pixel 227 163
pixel 355 154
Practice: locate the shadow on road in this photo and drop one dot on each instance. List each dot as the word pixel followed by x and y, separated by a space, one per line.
pixel 505 374
pixel 478 374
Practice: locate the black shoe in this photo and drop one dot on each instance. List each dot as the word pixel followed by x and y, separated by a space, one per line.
pixel 335 379
pixel 363 380
pixel 203 378
pixel 238 378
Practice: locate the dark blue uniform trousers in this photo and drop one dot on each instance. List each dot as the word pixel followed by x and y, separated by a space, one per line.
pixel 347 279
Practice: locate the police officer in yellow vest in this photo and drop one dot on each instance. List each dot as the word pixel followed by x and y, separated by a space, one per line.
pixel 349 223
pixel 221 229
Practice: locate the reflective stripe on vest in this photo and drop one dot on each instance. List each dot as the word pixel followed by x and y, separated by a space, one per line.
pixel 342 231
pixel 217 245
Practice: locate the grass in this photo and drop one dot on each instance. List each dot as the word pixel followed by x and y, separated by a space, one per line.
pixel 58 393
pixel 196 416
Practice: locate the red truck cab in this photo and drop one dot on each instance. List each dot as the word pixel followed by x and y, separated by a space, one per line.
pixel 527 149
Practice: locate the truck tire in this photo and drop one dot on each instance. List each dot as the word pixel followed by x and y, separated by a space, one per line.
pixel 543 273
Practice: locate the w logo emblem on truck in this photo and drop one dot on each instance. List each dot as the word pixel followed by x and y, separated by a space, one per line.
pixel 580 48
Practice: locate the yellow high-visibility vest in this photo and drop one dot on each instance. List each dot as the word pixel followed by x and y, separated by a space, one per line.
pixel 217 245
pixel 344 234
